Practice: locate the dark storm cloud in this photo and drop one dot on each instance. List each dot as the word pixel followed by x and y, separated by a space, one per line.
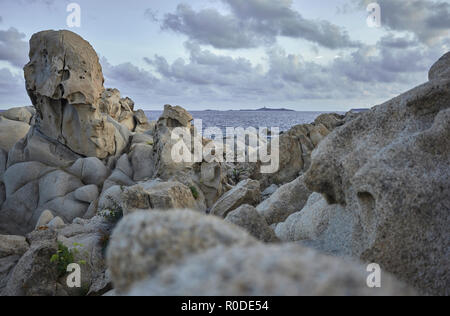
pixel 393 64
pixel 253 23
pixel 204 67
pixel 211 27
pixel 127 73
pixel 392 59
pixel 428 20
pixel 278 18
pixel 13 48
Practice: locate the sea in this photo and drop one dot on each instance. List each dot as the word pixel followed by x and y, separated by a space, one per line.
pixel 284 120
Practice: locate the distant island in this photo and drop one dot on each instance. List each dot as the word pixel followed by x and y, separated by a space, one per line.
pixel 359 110
pixel 270 110
pixel 264 109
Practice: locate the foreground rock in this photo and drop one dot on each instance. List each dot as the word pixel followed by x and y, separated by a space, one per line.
pixel 390 168
pixel 11 250
pixel 246 192
pixel 326 227
pixel 145 242
pixel 286 200
pixel 248 218
pixel 265 271
pixel 34 275
pixel 88 240
pixel 29 269
pixel 11 132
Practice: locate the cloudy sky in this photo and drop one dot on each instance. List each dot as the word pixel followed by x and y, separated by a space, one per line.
pixel 233 54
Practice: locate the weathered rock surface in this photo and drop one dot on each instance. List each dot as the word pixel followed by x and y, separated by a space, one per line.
pixel 326 227
pixel 83 153
pixel 34 275
pixel 90 170
pixel 142 122
pixel 3 161
pixel 2 193
pixel 153 194
pixel 248 218
pixel 21 114
pixel 269 191
pixel 38 147
pixel 141 158
pixel 88 193
pixel 441 69
pixel 330 120
pixel 295 148
pixel 117 108
pixel 22 197
pixel 390 168
pixel 145 242
pixel 213 180
pixel 11 132
pixel 45 218
pixel 164 164
pixel 11 250
pixel 264 270
pixel 90 238
pixel 175 116
pixel 56 223
pixel 12 245
pixel 65 82
pixel 288 199
pixel 122 174
pixel 246 192
pixel 33 187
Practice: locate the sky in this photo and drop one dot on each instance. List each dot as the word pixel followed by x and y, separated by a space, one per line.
pixel 239 54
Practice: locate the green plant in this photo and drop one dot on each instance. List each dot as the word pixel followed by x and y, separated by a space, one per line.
pixel 65 256
pixel 150 143
pixel 194 192
pixel 236 174
pixel 114 213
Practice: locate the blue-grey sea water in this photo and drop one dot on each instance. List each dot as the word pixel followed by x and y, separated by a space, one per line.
pixel 284 120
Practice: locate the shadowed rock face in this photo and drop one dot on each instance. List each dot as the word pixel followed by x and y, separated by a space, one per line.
pixel 64 81
pixel 390 169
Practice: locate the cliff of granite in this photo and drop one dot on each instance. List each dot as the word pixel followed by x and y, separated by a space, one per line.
pixel 83 170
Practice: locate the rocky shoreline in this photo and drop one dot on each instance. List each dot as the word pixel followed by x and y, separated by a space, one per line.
pixel 85 177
